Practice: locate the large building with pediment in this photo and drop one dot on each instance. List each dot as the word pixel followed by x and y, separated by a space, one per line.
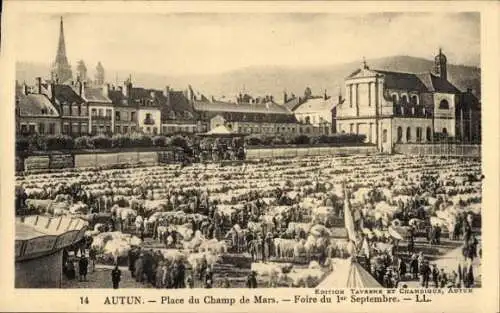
pixel 394 107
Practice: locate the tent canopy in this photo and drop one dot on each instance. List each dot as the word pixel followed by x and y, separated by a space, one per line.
pixel 349 274
pixel 221 131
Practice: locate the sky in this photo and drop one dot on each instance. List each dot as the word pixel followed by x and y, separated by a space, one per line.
pixel 209 43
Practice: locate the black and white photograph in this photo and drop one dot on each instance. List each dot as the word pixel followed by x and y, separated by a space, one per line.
pixel 284 150
pixel 267 155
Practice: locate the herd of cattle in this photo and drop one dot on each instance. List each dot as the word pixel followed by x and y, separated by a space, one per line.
pixel 284 210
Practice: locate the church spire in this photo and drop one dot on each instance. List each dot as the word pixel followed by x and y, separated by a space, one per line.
pixel 61 68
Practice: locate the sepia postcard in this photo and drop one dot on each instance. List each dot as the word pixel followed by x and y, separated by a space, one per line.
pixel 249 156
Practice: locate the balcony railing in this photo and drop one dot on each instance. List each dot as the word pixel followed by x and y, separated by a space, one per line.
pixel 149 121
pixel 101 117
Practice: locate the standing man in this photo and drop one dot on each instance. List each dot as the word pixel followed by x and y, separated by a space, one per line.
pixel 116 275
pixel 83 267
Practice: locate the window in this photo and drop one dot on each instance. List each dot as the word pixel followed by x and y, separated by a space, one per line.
pixel 384 136
pixel 83 110
pixel 52 128
pixel 66 128
pixel 108 112
pixel 408 134
pixel 132 117
pixel 404 99
pixel 125 129
pixel 24 128
pixel 148 116
pixel 94 129
pixel 75 128
pixel 445 131
pixel 125 115
pixel 419 134
pixel 414 99
pixel 148 129
pixel 41 128
pixel 84 129
pixel 44 111
pixel 394 98
pixel 117 129
pixel 400 134
pixel 350 96
pixel 444 105
pixel 94 112
pixel 117 115
pixel 75 110
pixel 369 94
pixel 108 129
pixel 155 130
pixel 31 128
pixel 133 129
pixel 429 134
pixel 101 112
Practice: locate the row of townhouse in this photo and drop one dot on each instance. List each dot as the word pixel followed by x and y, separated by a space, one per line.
pixel 79 108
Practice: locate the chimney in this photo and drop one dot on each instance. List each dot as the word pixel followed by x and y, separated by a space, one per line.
pixel 105 90
pixel 82 92
pixel 285 97
pixel 213 99
pixel 39 85
pixel 25 89
pixel 325 96
pixel 340 99
pixel 79 84
pixel 127 88
pixel 51 92
pixel 167 94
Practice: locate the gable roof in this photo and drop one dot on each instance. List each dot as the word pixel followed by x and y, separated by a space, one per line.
pixel 262 108
pixel 404 81
pixel 424 82
pixel 315 104
pixel 437 84
pixel 292 103
pixel 95 94
pixel 66 94
pixel 33 104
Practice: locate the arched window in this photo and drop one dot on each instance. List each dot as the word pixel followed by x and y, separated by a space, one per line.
pixel 384 136
pixel 408 134
pixel 444 105
pixel 308 120
pixel 419 134
pixel 414 99
pixel 400 134
pixel 394 98
pixel 429 134
pixel 404 99
pixel 445 131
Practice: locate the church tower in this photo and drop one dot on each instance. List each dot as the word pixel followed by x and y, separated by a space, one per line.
pixel 61 70
pixel 81 71
pixel 99 74
pixel 440 65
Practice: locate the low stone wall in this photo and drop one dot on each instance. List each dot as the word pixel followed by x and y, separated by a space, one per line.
pixel 117 158
pixel 265 153
pixel 470 151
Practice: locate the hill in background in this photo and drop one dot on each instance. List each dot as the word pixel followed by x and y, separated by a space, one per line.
pixel 273 80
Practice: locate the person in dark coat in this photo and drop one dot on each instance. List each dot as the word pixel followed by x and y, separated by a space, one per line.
pixel 116 275
pixel 425 270
pixel 252 280
pixel 139 268
pixel 83 268
pixel 209 278
pixel 70 270
pixel 414 266
pixel 435 276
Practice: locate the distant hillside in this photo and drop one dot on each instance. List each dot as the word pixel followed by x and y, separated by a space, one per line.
pixel 260 80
